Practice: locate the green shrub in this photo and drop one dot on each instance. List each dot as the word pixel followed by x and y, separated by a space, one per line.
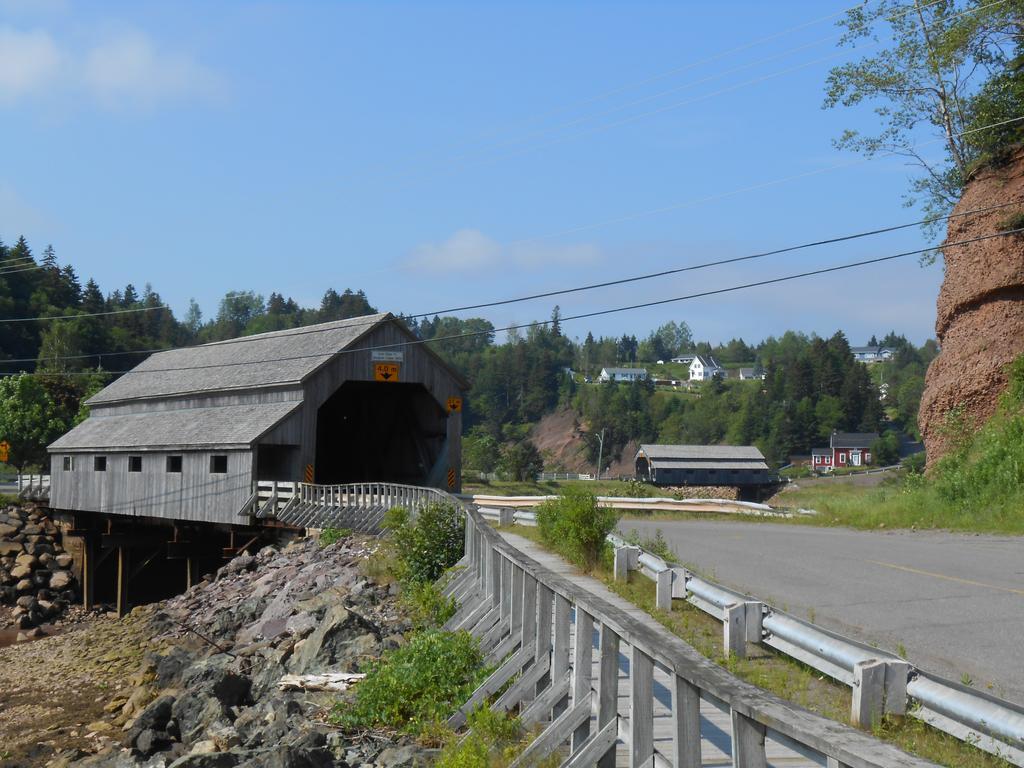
pixel 426 604
pixel 915 463
pixel 493 740
pixel 329 536
pixel 634 489
pixel 574 525
pixel 427 545
pixel 415 687
pixel 656 545
pixel 1011 222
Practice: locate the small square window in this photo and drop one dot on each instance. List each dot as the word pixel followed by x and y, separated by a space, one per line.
pixel 99 463
pixel 218 465
pixel 69 463
pixel 134 463
pixel 174 464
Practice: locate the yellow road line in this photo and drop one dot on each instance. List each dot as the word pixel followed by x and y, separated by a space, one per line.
pixel 957 579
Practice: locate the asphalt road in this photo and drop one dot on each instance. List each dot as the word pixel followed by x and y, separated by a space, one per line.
pixel 955 601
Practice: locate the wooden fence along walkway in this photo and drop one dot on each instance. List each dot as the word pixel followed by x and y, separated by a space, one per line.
pixel 613 687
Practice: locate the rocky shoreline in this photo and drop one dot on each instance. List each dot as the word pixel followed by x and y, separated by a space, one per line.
pixel 195 681
pixel 35 571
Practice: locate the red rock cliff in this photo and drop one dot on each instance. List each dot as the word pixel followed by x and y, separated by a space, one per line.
pixel 980 322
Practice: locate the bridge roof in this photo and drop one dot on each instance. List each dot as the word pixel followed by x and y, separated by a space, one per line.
pixel 225 426
pixel 701 452
pixel 271 359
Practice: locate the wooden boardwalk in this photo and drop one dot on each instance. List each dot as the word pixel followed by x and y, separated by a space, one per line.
pixel 715 724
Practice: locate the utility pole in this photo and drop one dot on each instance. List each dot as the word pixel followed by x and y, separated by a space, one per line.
pixel 600 452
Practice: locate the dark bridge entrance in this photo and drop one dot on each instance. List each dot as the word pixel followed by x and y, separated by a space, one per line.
pixel 372 431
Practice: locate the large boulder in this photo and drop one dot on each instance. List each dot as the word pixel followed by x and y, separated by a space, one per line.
pixel 980 318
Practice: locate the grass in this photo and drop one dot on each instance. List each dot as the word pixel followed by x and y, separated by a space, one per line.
pixel 898 503
pixel 785 677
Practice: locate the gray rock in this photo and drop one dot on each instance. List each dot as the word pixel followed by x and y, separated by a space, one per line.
pixel 64 560
pixel 153 718
pixel 150 741
pixel 398 757
pixel 7 530
pixel 61 580
pixel 215 760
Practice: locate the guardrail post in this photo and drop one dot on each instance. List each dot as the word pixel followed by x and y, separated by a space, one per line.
pixel 868 693
pixel 742 625
pixel 641 709
pixel 626 559
pixel 663 591
pixel 608 687
pixel 686 750
pixel 896 674
pixel 679 582
pixel 582 670
pixel 506 516
pixel 734 626
pixel 834 762
pixel 747 742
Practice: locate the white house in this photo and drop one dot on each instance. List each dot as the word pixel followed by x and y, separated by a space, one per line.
pixel 871 354
pixel 705 368
pixel 623 374
pixel 684 359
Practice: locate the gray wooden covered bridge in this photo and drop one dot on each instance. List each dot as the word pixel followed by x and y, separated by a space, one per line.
pixel 191 435
pixel 727 465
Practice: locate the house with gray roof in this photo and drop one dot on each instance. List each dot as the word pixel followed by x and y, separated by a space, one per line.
pixel 188 433
pixel 730 465
pixel 623 374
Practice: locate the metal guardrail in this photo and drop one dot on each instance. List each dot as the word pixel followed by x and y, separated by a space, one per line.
pixel 538 628
pixel 881 681
pixel 654 504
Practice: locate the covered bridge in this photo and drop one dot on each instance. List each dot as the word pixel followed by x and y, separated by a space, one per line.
pixel 735 465
pixel 187 434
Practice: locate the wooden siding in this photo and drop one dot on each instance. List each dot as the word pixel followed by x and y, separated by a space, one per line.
pixel 356 364
pixel 193 494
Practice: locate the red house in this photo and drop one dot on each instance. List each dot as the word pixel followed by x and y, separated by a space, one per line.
pixel 846 449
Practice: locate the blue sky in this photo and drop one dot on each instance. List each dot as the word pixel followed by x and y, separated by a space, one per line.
pixel 437 154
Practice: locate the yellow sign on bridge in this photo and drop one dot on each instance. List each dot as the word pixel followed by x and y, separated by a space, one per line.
pixel 5 451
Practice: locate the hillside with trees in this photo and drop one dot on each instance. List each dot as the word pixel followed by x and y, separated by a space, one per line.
pixel 811 387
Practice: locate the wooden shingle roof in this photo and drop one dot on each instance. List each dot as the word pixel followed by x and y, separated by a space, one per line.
pixel 271 359
pixel 226 426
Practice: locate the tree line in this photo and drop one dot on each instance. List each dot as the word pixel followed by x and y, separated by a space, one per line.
pixel 812 384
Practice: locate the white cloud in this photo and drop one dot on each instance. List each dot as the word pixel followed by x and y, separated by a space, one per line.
pixel 29 61
pixel 129 68
pixel 470 250
pixel 123 70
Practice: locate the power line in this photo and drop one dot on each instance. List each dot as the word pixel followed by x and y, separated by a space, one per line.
pixel 79 316
pixel 733 260
pixel 567 318
pixel 576 289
